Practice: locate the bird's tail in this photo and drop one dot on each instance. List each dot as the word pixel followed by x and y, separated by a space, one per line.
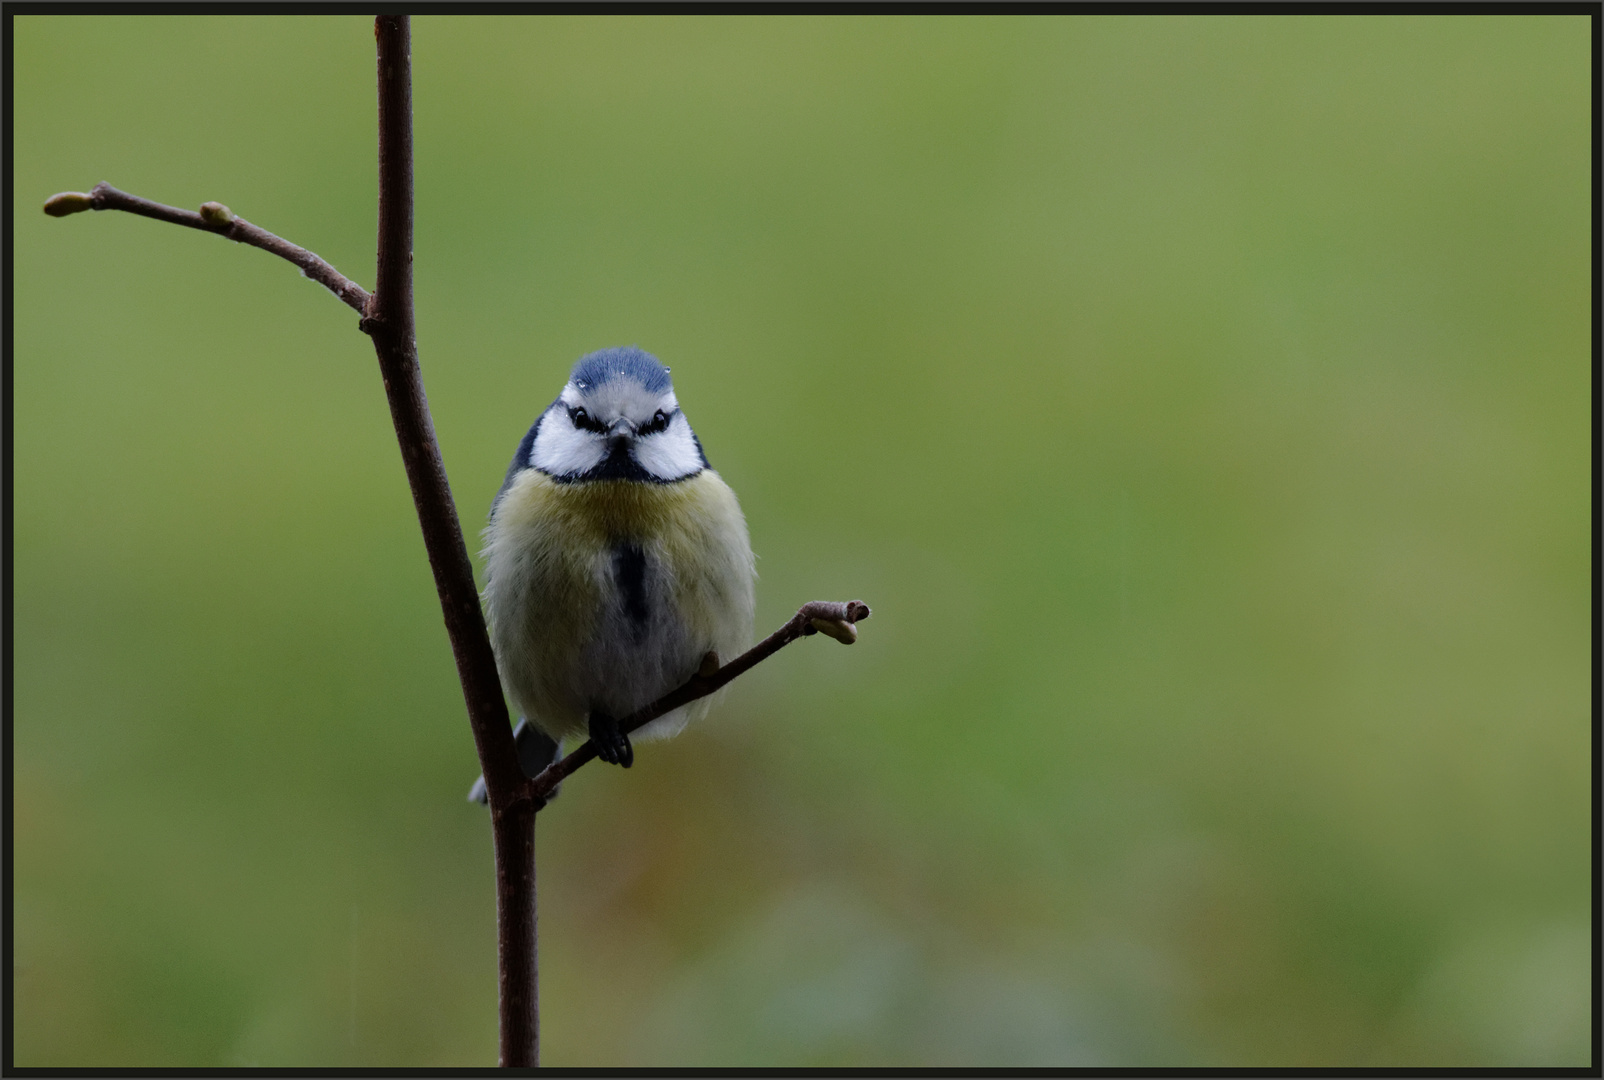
pixel 536 750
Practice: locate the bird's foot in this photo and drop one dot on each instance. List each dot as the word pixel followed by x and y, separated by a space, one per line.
pixel 612 745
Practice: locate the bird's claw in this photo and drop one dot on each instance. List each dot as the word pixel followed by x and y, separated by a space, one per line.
pixel 612 745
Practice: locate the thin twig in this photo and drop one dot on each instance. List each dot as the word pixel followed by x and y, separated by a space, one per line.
pixel 387 318
pixel 390 324
pixel 818 616
pixel 213 218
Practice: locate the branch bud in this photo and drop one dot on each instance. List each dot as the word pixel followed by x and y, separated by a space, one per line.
pixel 840 629
pixel 68 202
pixel 216 215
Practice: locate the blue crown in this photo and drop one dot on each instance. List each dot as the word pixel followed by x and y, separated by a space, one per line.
pixel 627 361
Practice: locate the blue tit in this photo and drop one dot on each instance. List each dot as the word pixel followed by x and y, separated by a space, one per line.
pixel 616 559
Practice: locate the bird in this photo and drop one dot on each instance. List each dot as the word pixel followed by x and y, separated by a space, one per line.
pixel 616 560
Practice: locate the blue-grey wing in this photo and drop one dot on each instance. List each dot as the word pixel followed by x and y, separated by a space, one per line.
pixel 520 462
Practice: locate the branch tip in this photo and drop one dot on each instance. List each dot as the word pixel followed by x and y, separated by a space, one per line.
pixel 68 202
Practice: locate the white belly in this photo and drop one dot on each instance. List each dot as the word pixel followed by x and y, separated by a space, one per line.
pixel 604 596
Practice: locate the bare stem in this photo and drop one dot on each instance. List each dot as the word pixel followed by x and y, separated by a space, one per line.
pixel 390 324
pixel 829 617
pixel 214 218
pixel 387 318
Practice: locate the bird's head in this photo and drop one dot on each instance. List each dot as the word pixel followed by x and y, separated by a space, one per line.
pixel 617 419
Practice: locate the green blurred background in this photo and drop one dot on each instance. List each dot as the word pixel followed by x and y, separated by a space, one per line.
pixel 1203 405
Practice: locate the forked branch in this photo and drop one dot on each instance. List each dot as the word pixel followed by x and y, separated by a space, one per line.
pixel 216 218
pixel 387 318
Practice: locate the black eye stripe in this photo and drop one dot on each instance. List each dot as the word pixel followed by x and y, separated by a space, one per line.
pixel 584 421
pixel 658 422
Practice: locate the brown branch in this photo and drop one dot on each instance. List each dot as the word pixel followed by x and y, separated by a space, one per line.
pixel 389 323
pixel 819 616
pixel 213 218
pixel 388 320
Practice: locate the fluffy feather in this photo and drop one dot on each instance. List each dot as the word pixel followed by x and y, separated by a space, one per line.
pixel 580 623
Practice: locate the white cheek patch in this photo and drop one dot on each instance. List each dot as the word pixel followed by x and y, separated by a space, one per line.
pixel 671 454
pixel 561 449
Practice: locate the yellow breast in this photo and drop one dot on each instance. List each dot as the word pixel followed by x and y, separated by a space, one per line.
pixel 549 554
